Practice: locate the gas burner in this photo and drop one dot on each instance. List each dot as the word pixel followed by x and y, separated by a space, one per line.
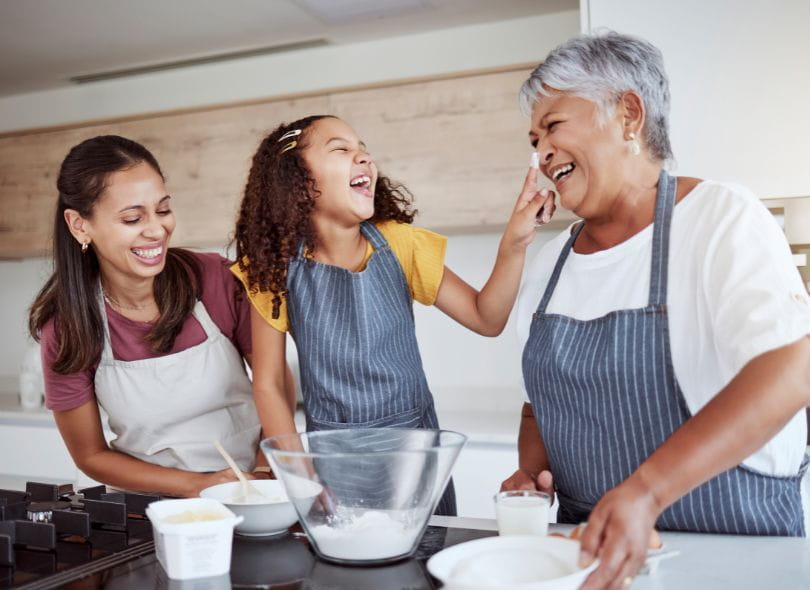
pixel 53 534
pixel 43 511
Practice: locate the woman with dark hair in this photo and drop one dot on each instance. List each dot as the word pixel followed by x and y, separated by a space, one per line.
pixel 154 336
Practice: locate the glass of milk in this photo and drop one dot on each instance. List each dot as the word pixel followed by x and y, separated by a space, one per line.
pixel 522 512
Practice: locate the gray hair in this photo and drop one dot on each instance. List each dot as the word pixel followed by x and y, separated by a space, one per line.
pixel 600 68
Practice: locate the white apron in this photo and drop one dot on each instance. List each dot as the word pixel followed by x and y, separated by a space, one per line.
pixel 168 410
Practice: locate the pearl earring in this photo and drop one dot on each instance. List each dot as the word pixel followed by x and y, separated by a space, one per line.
pixel 85 245
pixel 635 147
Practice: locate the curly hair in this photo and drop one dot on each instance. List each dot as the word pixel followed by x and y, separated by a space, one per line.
pixel 274 217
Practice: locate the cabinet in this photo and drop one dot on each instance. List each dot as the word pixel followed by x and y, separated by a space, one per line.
pixel 793 214
pixel 459 144
pixel 38 451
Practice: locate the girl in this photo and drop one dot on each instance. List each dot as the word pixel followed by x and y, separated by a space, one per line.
pixel 154 335
pixel 326 252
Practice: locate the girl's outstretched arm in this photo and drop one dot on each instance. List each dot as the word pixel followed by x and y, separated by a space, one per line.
pixel 486 311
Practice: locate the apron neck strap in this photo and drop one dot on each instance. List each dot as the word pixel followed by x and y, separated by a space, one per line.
pixel 664 205
pixel 368 230
pixel 373 235
pixel 659 268
pixel 106 347
pixel 555 276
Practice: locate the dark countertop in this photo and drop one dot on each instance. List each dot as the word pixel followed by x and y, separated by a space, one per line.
pixel 287 563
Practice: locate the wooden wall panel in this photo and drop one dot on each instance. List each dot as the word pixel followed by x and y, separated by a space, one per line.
pixel 459 144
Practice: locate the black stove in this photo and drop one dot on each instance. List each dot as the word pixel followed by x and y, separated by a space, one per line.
pixel 51 535
pixel 54 537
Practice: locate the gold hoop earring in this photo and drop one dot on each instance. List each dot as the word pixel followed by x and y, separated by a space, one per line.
pixel 85 245
pixel 635 146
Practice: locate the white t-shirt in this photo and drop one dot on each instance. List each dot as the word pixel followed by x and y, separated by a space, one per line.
pixel 734 293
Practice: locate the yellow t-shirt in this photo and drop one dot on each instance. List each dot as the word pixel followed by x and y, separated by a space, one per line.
pixel 419 251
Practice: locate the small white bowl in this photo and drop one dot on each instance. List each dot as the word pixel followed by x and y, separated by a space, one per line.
pixel 273 517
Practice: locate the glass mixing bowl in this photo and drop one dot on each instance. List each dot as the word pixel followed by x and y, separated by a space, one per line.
pixel 364 495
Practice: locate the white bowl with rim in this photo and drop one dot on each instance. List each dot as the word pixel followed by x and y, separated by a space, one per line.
pixel 512 562
pixel 261 519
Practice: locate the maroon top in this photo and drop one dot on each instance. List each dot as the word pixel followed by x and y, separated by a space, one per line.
pixel 224 299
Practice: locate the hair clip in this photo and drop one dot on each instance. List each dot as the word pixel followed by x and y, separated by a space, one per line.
pixel 288 147
pixel 293 133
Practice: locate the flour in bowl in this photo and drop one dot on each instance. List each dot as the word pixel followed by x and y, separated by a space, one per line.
pixel 370 535
pixel 256 499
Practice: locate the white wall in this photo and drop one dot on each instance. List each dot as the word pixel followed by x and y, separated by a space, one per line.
pixel 454 357
pixel 516 41
pixel 20 280
pixel 740 79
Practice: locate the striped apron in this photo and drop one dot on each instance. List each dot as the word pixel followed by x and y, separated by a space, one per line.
pixel 605 396
pixel 357 349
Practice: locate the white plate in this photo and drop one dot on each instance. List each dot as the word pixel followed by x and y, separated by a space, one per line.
pixel 517 562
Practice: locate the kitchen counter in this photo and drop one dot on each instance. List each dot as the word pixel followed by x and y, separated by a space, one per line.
pixel 708 562
pixel 11 412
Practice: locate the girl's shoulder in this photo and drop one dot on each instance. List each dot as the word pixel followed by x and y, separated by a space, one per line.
pixel 407 236
pixel 421 254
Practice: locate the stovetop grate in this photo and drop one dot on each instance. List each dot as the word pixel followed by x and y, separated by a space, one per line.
pixel 51 535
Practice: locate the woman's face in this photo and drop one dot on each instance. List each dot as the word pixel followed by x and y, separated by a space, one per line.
pixel 132 223
pixel 342 169
pixel 581 157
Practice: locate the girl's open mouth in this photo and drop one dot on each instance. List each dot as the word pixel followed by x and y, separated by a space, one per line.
pixel 361 184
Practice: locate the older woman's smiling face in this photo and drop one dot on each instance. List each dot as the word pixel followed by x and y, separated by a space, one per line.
pixel 582 157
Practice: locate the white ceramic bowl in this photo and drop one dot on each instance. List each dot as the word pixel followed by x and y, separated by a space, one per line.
pixel 260 520
pixel 519 562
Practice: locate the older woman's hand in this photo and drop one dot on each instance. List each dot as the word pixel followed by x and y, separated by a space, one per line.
pixel 523 479
pixel 618 533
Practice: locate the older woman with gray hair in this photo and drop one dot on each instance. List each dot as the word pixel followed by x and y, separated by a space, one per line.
pixel 667 357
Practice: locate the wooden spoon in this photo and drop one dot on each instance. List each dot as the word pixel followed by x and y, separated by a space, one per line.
pixel 248 489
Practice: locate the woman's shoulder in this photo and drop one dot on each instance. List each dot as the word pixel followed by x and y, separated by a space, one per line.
pixel 719 207
pixel 214 270
pixel 47 334
pixel 720 195
pixel 210 262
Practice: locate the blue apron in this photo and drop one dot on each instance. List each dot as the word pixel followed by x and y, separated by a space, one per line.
pixel 357 350
pixel 605 397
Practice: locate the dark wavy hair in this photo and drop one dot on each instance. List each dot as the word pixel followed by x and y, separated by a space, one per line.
pixel 274 218
pixel 70 295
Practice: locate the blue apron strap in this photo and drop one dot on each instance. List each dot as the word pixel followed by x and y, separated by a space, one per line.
pixel 373 235
pixel 369 231
pixel 555 276
pixel 659 267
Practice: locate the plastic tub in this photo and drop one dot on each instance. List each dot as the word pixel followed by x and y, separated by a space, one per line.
pixel 198 549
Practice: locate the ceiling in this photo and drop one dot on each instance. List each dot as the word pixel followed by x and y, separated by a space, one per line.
pixel 45 43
